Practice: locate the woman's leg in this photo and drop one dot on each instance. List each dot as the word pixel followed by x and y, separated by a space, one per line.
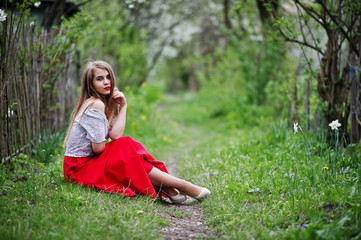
pixel 159 178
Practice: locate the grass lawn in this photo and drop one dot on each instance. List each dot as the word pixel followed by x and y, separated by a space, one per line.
pixel 266 183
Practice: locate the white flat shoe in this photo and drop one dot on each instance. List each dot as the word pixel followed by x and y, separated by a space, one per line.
pixel 188 201
pixel 177 199
pixel 203 194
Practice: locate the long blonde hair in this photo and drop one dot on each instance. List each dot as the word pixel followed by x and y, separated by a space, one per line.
pixel 88 90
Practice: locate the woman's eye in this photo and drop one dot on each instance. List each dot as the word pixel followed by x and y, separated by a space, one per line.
pixel 108 77
pixel 99 78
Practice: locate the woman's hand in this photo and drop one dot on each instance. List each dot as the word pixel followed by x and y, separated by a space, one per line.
pixel 119 97
pixel 119 125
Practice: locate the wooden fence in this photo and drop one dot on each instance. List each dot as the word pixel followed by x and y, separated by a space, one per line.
pixel 37 86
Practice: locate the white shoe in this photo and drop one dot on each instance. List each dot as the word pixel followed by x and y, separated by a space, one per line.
pixel 179 198
pixel 203 194
pixel 188 201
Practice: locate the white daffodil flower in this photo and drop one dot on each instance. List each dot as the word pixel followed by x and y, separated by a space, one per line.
pixel 335 125
pixel 2 15
pixel 295 127
pixel 37 4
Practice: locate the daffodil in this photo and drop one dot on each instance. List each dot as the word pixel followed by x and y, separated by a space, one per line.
pixel 295 127
pixel 326 168
pixel 143 117
pixel 144 84
pixel 335 125
pixel 2 15
pixel 313 148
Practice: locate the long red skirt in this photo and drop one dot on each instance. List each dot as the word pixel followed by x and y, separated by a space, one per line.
pixel 122 168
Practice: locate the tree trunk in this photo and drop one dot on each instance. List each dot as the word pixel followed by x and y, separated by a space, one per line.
pixel 53 14
pixel 331 83
pixel 264 11
pixel 227 20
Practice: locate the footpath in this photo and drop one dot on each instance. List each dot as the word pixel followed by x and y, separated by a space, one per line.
pixel 193 136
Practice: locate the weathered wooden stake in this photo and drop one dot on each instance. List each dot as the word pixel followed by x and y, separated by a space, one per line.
pixel 355 109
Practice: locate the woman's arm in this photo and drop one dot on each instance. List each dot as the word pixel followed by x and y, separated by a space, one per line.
pixel 98 147
pixel 119 125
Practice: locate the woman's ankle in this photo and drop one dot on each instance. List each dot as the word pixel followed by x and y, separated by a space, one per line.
pixel 192 190
pixel 171 191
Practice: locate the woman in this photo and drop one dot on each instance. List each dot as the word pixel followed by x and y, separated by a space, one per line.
pixel 123 165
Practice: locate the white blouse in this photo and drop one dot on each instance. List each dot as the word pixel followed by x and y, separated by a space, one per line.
pixel 93 126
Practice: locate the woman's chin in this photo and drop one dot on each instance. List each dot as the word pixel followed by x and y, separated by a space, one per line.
pixel 104 94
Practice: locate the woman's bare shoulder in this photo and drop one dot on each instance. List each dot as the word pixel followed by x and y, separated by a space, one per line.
pixel 99 105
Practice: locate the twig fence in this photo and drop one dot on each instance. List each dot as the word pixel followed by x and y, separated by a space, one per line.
pixel 37 86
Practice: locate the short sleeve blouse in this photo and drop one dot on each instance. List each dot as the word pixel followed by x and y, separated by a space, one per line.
pixel 90 125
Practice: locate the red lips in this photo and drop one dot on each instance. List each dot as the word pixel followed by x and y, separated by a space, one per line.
pixel 107 88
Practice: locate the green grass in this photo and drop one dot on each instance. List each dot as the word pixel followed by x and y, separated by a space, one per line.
pixel 265 184
pixel 44 207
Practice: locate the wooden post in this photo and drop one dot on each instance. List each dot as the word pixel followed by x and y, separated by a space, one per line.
pixel 308 104
pixel 355 136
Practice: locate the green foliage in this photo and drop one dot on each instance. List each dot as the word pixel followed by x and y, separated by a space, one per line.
pixel 176 72
pixel 48 146
pixel 72 30
pixel 14 171
pixel 289 27
pixel 131 58
pixel 115 39
pixel 142 114
pixel 248 73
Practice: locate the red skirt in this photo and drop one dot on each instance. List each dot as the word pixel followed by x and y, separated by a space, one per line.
pixel 122 168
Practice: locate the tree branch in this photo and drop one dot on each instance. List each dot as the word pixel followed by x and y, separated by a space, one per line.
pixel 310 11
pixel 304 43
pixel 341 23
pixel 309 30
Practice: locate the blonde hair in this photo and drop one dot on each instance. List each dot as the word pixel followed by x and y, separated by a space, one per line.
pixel 88 90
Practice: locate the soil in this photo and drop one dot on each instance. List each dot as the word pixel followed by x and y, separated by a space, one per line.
pixel 186 221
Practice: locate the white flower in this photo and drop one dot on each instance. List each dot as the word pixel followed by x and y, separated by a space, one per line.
pixel 131 6
pixel 295 127
pixel 10 112
pixel 37 4
pixel 31 24
pixel 335 125
pixel 2 15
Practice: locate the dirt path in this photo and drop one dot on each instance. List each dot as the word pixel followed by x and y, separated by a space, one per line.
pixel 186 221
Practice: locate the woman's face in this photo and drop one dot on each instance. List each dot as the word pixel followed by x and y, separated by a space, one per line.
pixel 102 81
